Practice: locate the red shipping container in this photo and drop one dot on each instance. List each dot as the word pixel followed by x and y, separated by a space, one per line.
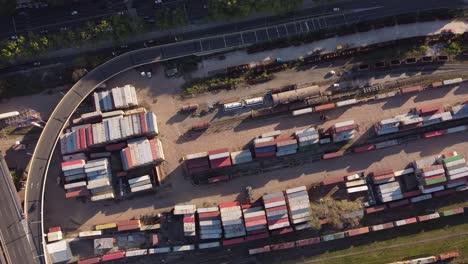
pixel 283 246
pixel 208 215
pixel 278 221
pixel 358 231
pixel 308 241
pixel 78 193
pixel 423 218
pixel 128 227
pixel 55 229
pixel 278 208
pixel 113 256
pixel 228 204
pixel 255 218
pixel 449 255
pixel 218 151
pixel 222 162
pixel 144 126
pixel 432 168
pixel 257 237
pixel 90 260
pixel 218 179
pixel 430 110
pixel 282 231
pixel 411 89
pixel 399 203
pixel 444 192
pixel 154 153
pixel 324 107
pixel 265 154
pixel 189 219
pixel 128 222
pixel 128 157
pixel 233 241
pixel 155 240
pixel 437 84
pixel 433 134
pixel 333 155
pixel 411 193
pixel 115 147
pixel 411 220
pixel 72 162
pixel 256 223
pixel 364 148
pixel 333 181
pixel 374 209
pixel 345 128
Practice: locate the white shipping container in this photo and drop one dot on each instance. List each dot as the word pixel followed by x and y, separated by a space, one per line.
pixel 297 189
pixel 184 209
pixel 452 81
pixel 141 188
pixel 357 189
pixel 280 225
pixel 230 209
pixel 458 176
pixel 275 204
pixel 303 226
pixel 344 123
pixel 207 210
pixel 302 111
pixel 404 172
pixel 346 102
pixel 432 173
pixel 355 183
pixel 301 220
pixel 74 185
pixel 254 214
pixel 138 179
pixel 105 196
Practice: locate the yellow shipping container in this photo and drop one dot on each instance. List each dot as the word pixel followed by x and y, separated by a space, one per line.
pixel 106 226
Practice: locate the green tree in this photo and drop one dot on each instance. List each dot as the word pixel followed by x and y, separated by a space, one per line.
pixel 334 210
pixel 453 48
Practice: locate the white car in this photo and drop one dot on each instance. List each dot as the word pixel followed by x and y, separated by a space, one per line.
pixel 148 74
pixel 336 85
pixel 336 9
pixel 74 13
pixel 143 74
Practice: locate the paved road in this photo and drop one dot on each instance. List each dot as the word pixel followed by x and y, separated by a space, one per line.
pixel 300 22
pixel 15 243
pixel 59 118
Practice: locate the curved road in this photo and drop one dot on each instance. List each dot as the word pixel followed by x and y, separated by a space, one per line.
pixel 59 118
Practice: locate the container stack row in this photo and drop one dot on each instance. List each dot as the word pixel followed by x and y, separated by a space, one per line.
pixel 209 220
pixel 74 141
pixel 455 168
pixel 128 225
pixel 74 178
pixel 189 225
pixel 122 127
pixel 460 111
pixel 264 147
pixel 388 192
pixel 141 152
pixel 286 146
pixel 343 131
pixel 394 124
pixel 141 183
pixel 255 220
pixel 117 98
pixel 219 158
pixel 298 205
pixel 276 210
pixel 383 176
pixel 356 184
pixel 308 139
pixel 232 220
pixel 197 162
pixel 99 176
pixel 240 157
pixel 431 175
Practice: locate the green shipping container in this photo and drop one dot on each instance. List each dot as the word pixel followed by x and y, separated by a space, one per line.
pixel 447 213
pixel 339 235
pixel 454 158
pixel 434 181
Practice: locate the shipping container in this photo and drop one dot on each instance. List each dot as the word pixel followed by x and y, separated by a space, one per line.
pixel 309 241
pixel 375 209
pixel 90 260
pixel 358 231
pixel 259 250
pixel 282 246
pixel 113 256
pixel 159 250
pixel 324 107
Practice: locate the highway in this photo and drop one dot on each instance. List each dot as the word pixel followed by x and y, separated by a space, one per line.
pixel 46 144
pixel 15 243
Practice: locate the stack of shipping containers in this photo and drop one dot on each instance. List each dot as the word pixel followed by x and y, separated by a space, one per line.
pixel 298 205
pixel 356 185
pixel 460 111
pixel 124 97
pixel 255 220
pixel 308 139
pixel 141 152
pixel 231 216
pixel 387 126
pixel 264 147
pixel 219 158
pixel 388 192
pixel 276 210
pixel 209 221
pixel 430 175
pixel 383 176
pixel 433 115
pixel 343 131
pixel 141 183
pixel 286 146
pixel 456 169
pixel 75 178
pixel 128 225
pixel 75 141
pixel 190 228
pixel 122 127
pixel 240 157
pixel 197 162
pixel 99 177
pixel 117 98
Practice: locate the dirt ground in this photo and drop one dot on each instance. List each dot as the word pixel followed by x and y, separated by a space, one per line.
pixel 161 95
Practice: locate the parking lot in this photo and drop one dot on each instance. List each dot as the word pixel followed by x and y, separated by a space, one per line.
pixel 162 96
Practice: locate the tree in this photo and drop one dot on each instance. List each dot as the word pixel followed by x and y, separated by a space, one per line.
pixel 453 48
pixel 167 18
pixel 334 211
